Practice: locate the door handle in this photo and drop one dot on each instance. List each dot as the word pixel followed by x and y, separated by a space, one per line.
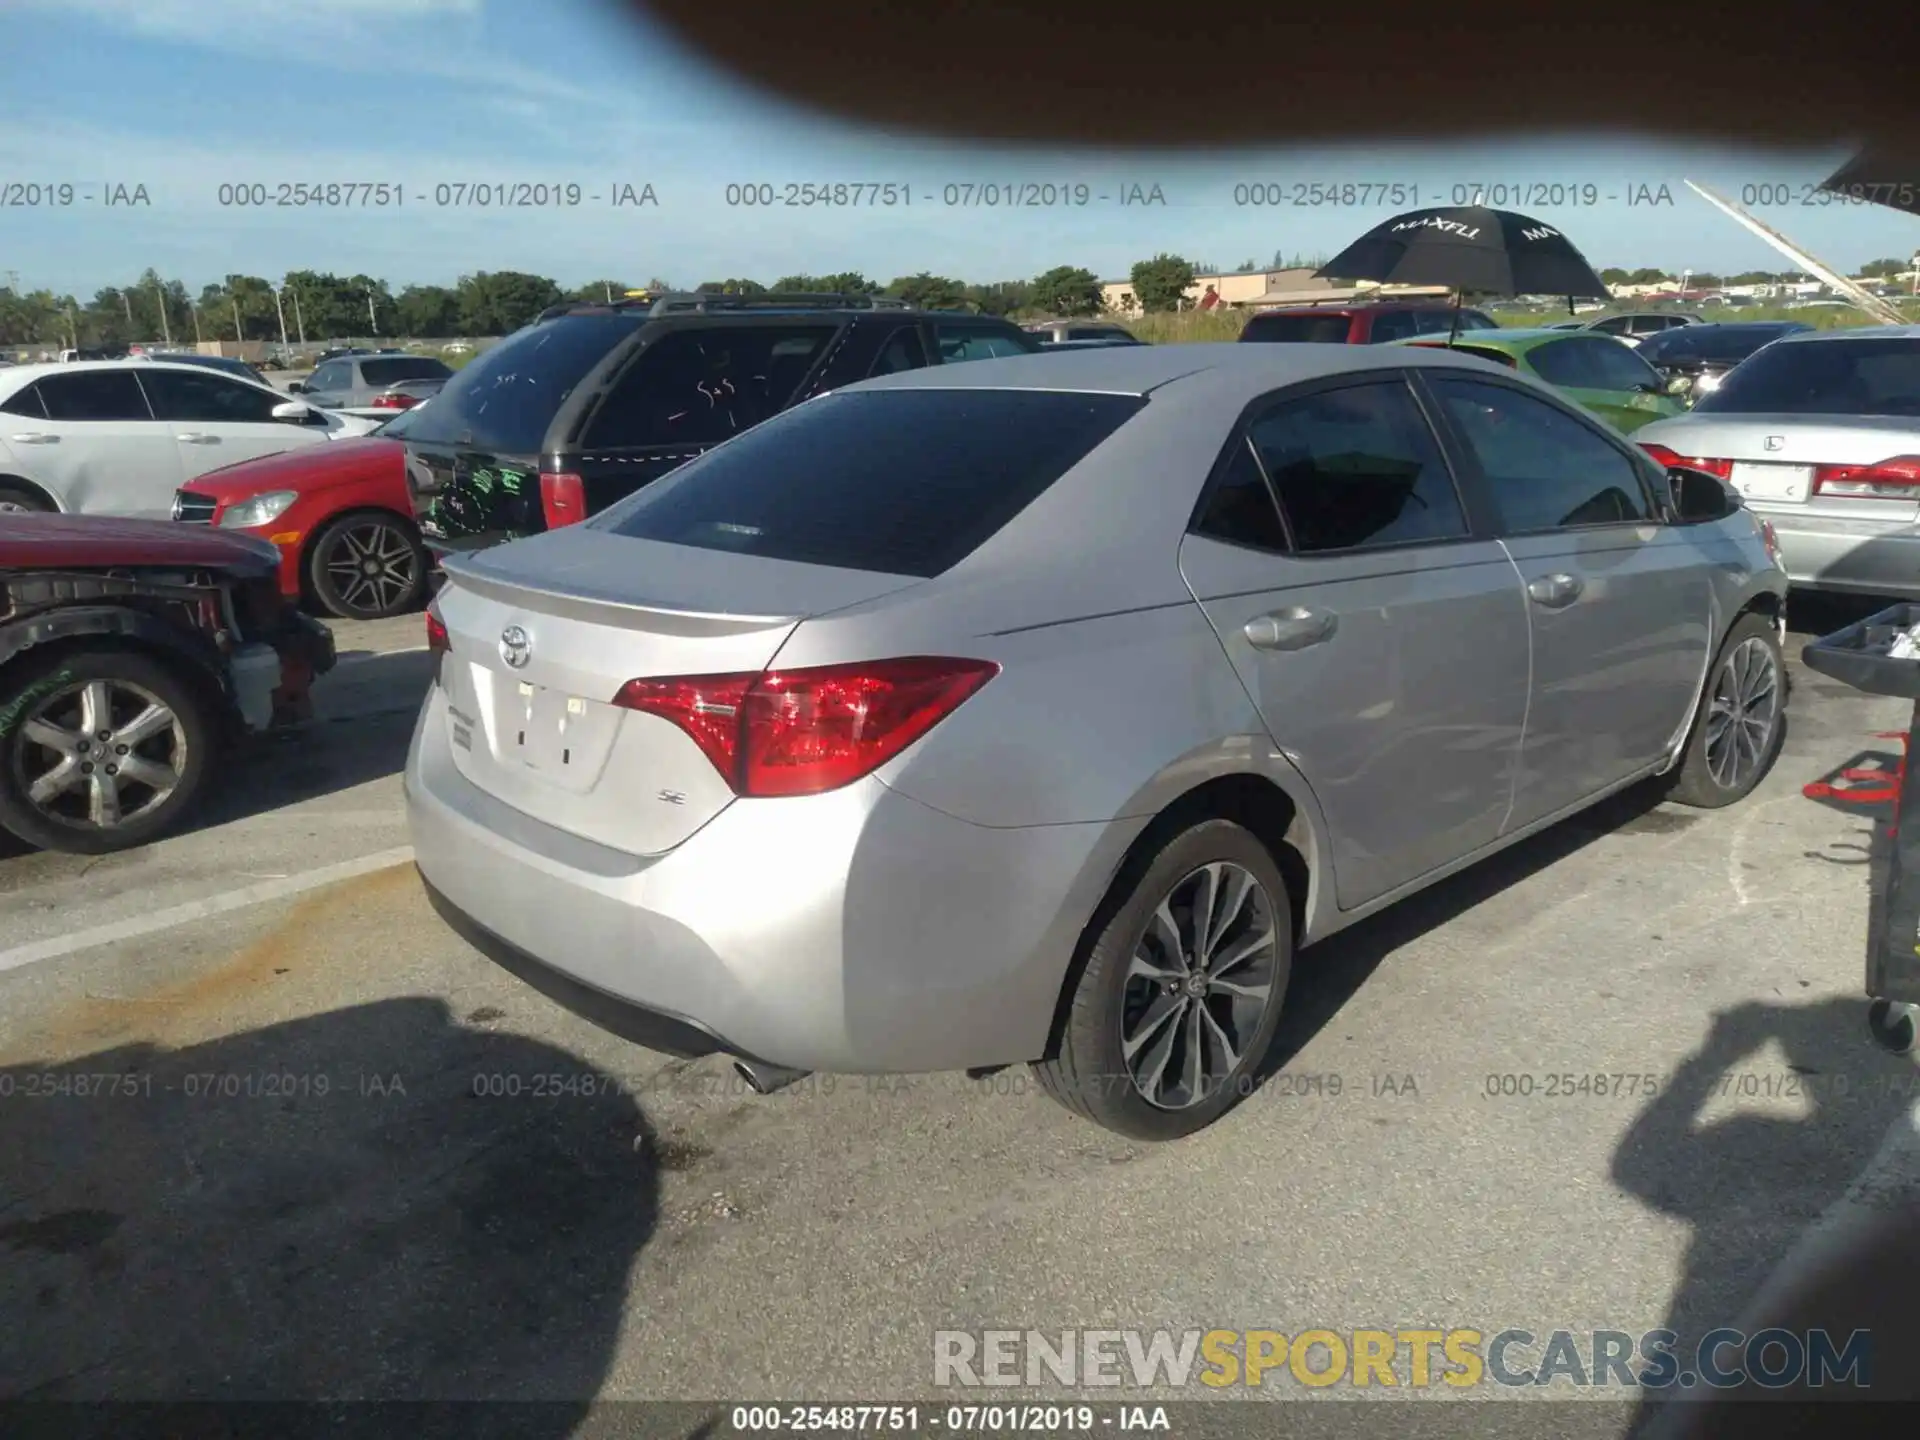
pixel 1556 591
pixel 195 437
pixel 35 438
pixel 1294 628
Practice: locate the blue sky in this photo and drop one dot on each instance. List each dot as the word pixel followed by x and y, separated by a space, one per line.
pixel 182 96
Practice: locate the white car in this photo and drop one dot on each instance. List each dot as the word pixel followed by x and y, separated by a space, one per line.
pixel 118 437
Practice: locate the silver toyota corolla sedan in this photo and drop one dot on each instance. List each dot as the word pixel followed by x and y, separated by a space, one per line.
pixel 1039 710
pixel 1820 432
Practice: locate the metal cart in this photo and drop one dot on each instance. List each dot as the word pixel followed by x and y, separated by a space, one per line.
pixel 1860 656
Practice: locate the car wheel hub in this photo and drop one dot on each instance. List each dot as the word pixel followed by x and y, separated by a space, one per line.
pixel 1743 713
pixel 99 754
pixel 371 567
pixel 1199 984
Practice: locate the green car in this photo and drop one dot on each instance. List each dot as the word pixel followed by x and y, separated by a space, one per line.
pixel 1595 371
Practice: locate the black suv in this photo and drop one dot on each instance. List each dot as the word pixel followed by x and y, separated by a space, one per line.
pixel 591 402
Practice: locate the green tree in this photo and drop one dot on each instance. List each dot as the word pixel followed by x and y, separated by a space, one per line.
pixel 1877 269
pixel 730 287
pixel 1067 290
pixel 1160 284
pixel 847 282
pixel 600 292
pixel 431 312
pixel 501 301
pixel 928 292
pixel 1646 275
pixel 1705 280
pixel 1614 275
pixel 1000 297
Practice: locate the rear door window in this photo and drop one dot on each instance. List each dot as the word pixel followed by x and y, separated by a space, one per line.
pixel 1358 466
pixel 704 385
pixel 1394 325
pixel 976 342
pixel 903 482
pixel 206 397
pixel 25 402
pixel 903 351
pixel 94 395
pixel 1330 329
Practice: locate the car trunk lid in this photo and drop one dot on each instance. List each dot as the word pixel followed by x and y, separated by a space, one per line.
pixel 542 634
pixel 1772 457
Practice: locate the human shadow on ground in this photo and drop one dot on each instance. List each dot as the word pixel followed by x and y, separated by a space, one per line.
pixel 377 1203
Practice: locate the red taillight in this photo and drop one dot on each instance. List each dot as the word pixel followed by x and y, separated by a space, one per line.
pixel 563 499
pixel 802 732
pixel 437 642
pixel 1722 468
pixel 391 402
pixel 1895 479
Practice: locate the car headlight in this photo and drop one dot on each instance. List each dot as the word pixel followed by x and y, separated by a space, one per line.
pixel 1706 384
pixel 260 510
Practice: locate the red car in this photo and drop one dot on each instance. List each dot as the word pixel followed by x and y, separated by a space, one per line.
pixel 339 514
pixel 131 653
pixel 1361 323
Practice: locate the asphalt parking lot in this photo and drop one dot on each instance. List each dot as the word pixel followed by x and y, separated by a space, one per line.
pixel 366 1164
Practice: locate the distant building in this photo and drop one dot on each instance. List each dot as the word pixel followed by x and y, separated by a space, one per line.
pixel 1262 290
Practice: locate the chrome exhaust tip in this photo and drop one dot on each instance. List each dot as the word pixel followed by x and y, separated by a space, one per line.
pixel 1894 1026
pixel 764 1079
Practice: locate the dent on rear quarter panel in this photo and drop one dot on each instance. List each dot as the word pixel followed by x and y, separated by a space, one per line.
pixel 1081 722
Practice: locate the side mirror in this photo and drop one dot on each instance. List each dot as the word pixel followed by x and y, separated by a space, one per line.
pixel 296 387
pixel 296 412
pixel 1699 496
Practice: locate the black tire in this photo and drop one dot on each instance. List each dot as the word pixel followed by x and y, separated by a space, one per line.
pixel 364 537
pixel 1702 778
pixel 1088 1070
pixel 52 682
pixel 15 497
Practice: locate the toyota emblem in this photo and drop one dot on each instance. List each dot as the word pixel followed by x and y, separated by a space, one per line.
pixel 1776 442
pixel 515 648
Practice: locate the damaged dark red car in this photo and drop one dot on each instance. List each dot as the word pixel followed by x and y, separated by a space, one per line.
pixel 133 655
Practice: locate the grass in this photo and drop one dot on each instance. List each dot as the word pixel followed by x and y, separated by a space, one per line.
pixel 1190 327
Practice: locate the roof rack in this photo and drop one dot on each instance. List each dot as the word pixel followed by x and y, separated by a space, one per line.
pixel 703 302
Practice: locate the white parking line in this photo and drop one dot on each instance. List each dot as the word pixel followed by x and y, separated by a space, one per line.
pixel 193 910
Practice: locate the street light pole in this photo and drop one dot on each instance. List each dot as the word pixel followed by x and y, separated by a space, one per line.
pixel 299 324
pixel 239 334
pixel 281 311
pixel 160 296
pixel 373 322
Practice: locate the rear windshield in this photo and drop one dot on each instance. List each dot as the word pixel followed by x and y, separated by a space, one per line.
pixel 1824 377
pixel 504 401
pixel 1299 329
pixel 388 372
pixel 904 482
pixel 1715 342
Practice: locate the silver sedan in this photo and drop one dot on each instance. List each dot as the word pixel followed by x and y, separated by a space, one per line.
pixel 1039 709
pixel 1820 432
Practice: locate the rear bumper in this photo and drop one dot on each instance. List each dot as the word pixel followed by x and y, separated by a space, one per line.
pixel 857 931
pixel 1865 556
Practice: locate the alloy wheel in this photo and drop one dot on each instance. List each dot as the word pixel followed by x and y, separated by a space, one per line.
pixel 100 753
pixel 1743 713
pixel 372 567
pixel 1199 982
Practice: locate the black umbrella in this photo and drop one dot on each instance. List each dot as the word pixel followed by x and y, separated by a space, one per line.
pixel 1881 176
pixel 1469 247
